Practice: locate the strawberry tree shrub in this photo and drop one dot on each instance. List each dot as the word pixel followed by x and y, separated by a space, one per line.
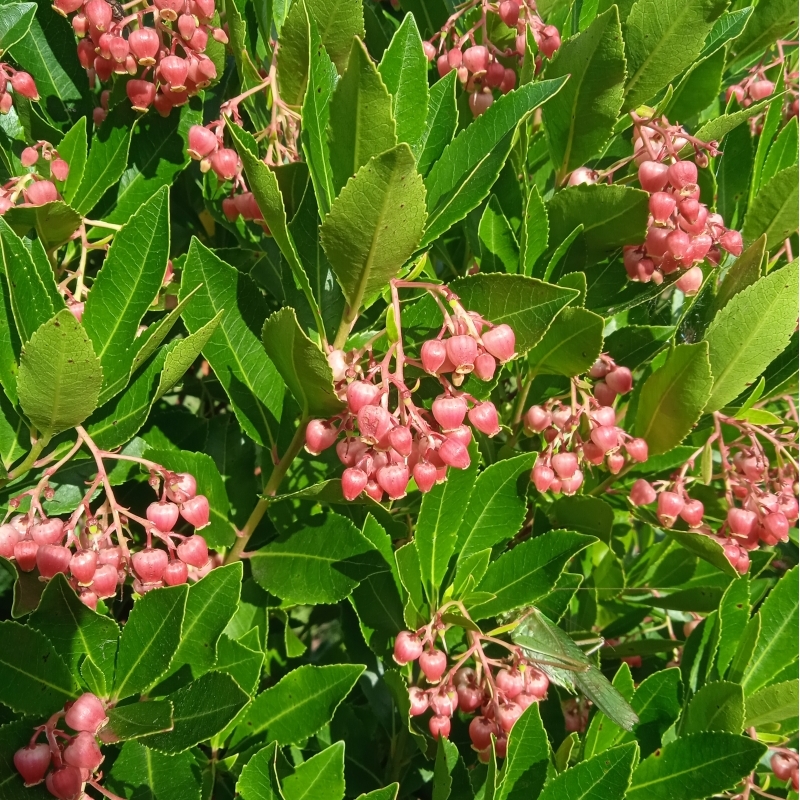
pixel 398 400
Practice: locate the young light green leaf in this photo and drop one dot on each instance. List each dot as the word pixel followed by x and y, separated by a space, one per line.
pixel 752 329
pixel 673 398
pixel 338 21
pixel 73 149
pixel 361 123
pixel 774 210
pixel 727 28
pixel 440 123
pixel 234 351
pixel 301 363
pixel 499 248
pixel 59 375
pixel 299 704
pixel 571 345
pixel 322 776
pixel 135 720
pixel 149 640
pixel 33 677
pixel 125 288
pixel 470 164
pixel 606 775
pixel 375 225
pixel 580 119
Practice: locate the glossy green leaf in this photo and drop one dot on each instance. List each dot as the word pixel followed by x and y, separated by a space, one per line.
pixel 135 720
pixel 59 375
pixel 73 149
pixel 54 222
pixel 752 329
pixel 450 776
pixel 695 767
pixel 706 548
pixel 717 128
pixel 571 345
pixel 727 28
pixel 240 662
pixel 299 704
pixel 518 578
pixel 673 398
pixel 765 27
pixel 470 164
pixel 17 19
pixel 149 640
pixel 782 153
pixel 603 777
pixel 386 793
pixel 661 40
pixel 773 705
pixel 302 365
pixel 743 273
pixel 698 88
pixel 338 21
pixel 145 774
pixel 125 288
pixel 33 677
pixel 375 224
pixel 293 54
pixel 234 351
pixel 734 612
pixel 441 122
pixel 535 231
pixel 528 757
pixel 499 248
pixel 322 776
pixel 259 778
pixel 774 210
pixel 716 707
pixel 580 119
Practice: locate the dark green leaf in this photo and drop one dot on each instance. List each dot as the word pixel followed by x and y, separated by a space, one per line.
pixel 698 88
pixel 137 719
pixel 146 774
pixel 338 21
pixel 525 767
pixel 734 612
pixel 240 662
pixel 571 345
pixel 259 778
pixel 322 776
pixel 706 548
pixel 715 707
pixel 603 777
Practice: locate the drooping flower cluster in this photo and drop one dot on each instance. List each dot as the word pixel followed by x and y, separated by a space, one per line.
pixel 485 66
pixel 382 448
pixel 495 691
pixel 760 489
pixel 93 549
pixel 35 188
pixel 20 82
pixel 584 433
pixel 66 761
pixel 165 58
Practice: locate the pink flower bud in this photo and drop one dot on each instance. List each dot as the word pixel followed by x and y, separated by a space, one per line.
pixel 735 91
pixel 462 352
pixel 320 435
pixel 692 513
pixel 454 454
pixel 424 476
pixel 605 437
pixel 170 8
pixel 203 8
pixel 163 515
pixel 479 102
pixel 187 25
pixel 439 726
pixel 593 454
pixel 433 663
pixel 141 94
pixel 661 206
pixel 510 681
pixel 761 89
pixel 354 481
pixel 393 479
pixel 192 551
pixel 678 243
pixel 542 476
pixel 407 647
pixel 149 564
pixel 620 380
pixel 433 354
pixel 374 424
pixel 65 783
pixel 470 697
pixel 740 521
pixel 500 342
pixel 682 174
pixel 549 41
pixel 29 156
pixel 691 281
pixel 476 58
pixel 653 176
pixel 83 565
pixel 181 487
pixel 449 412
pixel 41 192
pixel 67 6
pixel 507 715
pixel 537 419
pixel 144 44
pixel 669 507
pixel 9 536
pixel 362 393
pixel 225 163
pixel 402 441
pixel 782 766
pixel 495 74
pixel 176 573
pixel 571 485
pixel 196 511
pixel 105 580
pixel 59 168
pixel 637 450
pixel 32 763
pixel 443 65
pixel 173 69
pixel 429 50
pixel 87 713
pixel 536 683
pixel 484 417
pixel 732 242
pixel 565 464
pixel 480 732
pixel 82 752
pixel 454 58
pixel 419 701
pixel 485 366
pixel 442 704
pixel 6 101
pixel 99 14
pixel 98 116
pixel 509 13
pixel 777 525
pixel 509 81
pixel 48 531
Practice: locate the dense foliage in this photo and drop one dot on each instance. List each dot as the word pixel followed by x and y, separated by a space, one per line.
pixel 398 401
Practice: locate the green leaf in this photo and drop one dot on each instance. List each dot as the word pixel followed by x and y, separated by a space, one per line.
pixel 386 793
pixel 499 248
pixel 149 640
pixel 580 119
pixel 774 210
pixel 695 767
pixel 673 398
pixel 15 23
pixel 259 778
pixel 149 775
pixel 698 88
pixel 317 564
pixel 774 649
pixel 59 375
pixel 73 149
pixel 715 129
pixel 125 288
pixel 234 351
pixel 240 662
pixel 734 612
pixel 521 576
pixel 571 345
pixel 361 123
pixel 108 157
pixel 752 329
pixel 375 225
pixel 769 20
pixel 497 506
pixel 211 604
pixel 338 21
pixel 612 216
pixel 319 778
pixel 661 40
pixel 302 365
pixel 404 69
pixel 716 707
pixel 727 28
pixel 706 548
pixel 316 112
pixel 743 273
pixel 201 710
pixel 54 222
pixel 441 122
pixel 782 153
pixel 603 777
pixel 30 299
pixel 471 163
pixel 293 55
pixel 299 704
pixel 535 231
pixel 773 705
pixel 450 776
pixel 74 630
pixel 137 719
pixel 33 677
pixel 528 757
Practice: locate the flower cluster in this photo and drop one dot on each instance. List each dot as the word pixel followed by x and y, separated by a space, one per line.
pixel 91 547
pixel 66 762
pixel 681 231
pixel 165 60
pixel 35 188
pixel 761 498
pixel 21 82
pixel 483 67
pixel 495 691
pixel 584 432
pixel 383 449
